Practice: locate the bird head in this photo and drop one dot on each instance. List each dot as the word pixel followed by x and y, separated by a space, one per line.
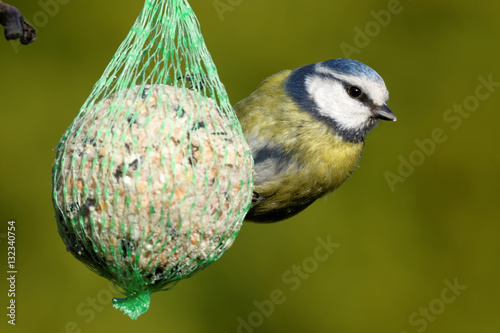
pixel 345 93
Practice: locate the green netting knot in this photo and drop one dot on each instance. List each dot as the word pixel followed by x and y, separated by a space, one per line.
pixel 134 305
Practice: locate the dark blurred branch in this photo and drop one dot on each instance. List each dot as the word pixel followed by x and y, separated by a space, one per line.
pixel 15 26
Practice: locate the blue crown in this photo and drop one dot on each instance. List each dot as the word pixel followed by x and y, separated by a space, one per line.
pixel 352 67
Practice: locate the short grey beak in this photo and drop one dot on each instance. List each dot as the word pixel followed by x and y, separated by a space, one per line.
pixel 384 113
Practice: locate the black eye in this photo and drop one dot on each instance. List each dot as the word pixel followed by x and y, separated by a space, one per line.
pixel 354 92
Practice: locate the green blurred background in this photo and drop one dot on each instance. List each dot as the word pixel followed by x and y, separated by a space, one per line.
pixel 398 244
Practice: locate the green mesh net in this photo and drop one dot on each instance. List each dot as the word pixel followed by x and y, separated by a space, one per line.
pixel 153 178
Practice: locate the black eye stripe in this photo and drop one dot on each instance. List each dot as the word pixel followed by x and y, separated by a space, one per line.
pixel 364 98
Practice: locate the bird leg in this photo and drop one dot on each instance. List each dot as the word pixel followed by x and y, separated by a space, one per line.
pixel 15 26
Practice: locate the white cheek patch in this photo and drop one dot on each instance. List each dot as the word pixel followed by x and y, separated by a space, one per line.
pixel 333 102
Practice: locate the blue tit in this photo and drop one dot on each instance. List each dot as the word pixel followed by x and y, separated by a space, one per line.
pixel 306 129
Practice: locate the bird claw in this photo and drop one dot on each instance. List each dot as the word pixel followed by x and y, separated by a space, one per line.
pixel 15 26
